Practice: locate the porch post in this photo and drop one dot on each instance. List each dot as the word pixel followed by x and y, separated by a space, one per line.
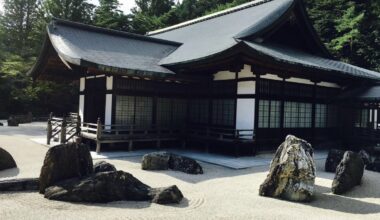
pixel 82 88
pixel 109 98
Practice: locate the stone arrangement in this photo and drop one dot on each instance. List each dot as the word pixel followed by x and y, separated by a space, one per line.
pixel 63 162
pixel 165 161
pixel 103 166
pixel 292 172
pixel 348 174
pixel 6 160
pixel 111 186
pixel 333 159
pixel 68 174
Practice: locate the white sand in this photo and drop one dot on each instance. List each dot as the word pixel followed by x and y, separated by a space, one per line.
pixel 220 193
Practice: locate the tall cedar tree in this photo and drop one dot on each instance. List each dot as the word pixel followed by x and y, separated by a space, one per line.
pixel 108 15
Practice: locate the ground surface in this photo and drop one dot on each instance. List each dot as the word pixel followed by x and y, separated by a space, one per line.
pixel 220 193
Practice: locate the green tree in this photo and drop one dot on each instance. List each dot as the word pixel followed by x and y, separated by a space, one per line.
pixel 109 16
pixel 17 25
pixel 348 29
pixel 73 10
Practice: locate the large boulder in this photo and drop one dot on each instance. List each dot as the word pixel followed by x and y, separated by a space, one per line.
pixel 333 159
pixel 292 172
pixel 28 184
pixel 155 161
pixel 100 188
pixel 365 157
pixel 184 164
pixel 166 195
pixel 63 162
pixel 111 186
pixel 13 121
pixel 6 160
pixel 349 173
pixel 103 166
pixel 164 161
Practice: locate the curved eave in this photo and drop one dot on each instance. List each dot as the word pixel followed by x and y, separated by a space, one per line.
pixel 243 48
pixel 48 45
pixel 268 23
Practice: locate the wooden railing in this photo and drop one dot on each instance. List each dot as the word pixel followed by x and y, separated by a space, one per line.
pixel 132 133
pixel 65 128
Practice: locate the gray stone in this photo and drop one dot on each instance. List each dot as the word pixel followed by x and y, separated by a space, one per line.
pixel 164 161
pixel 111 186
pixel 6 160
pixel 103 166
pixel 155 161
pixel 365 157
pixel 28 184
pixel 13 121
pixel 333 159
pixel 100 188
pixel 348 174
pixel 166 195
pixel 63 162
pixel 292 172
pixel 184 164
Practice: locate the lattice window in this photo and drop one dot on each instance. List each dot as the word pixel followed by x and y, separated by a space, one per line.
pixel 320 115
pixel 125 110
pixel 199 111
pixel 269 114
pixel 143 111
pixel 297 115
pixel 164 112
pixel 223 112
pixel 179 112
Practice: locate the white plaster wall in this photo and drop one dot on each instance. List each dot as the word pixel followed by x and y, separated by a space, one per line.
pixel 109 82
pixel 246 72
pixel 245 114
pixel 82 84
pixel 81 106
pixel 224 75
pixel 376 122
pixel 271 76
pixel 328 84
pixel 299 80
pixel 108 110
pixel 246 87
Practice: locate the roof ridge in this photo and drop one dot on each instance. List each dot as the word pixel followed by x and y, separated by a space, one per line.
pixel 210 16
pixel 111 31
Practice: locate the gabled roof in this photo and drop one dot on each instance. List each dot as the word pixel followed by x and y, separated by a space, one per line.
pixel 215 33
pixel 289 55
pixel 251 27
pixel 108 50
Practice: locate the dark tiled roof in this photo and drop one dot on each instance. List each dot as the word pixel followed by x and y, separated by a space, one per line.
pixel 297 57
pixel 363 93
pixel 213 34
pixel 79 44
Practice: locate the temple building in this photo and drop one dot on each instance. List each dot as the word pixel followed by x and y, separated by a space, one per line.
pixel 242 78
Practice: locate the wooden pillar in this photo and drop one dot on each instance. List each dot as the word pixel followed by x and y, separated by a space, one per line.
pixel 49 131
pixel 99 131
pixel 63 130
pixel 130 142
pixel 313 113
pixel 78 125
